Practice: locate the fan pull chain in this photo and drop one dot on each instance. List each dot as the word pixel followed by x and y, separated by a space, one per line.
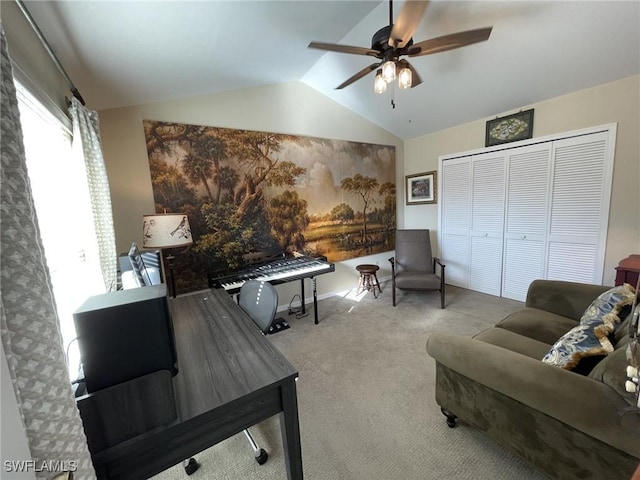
pixel 393 96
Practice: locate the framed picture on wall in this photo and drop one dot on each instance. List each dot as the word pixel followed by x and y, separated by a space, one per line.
pixel 511 128
pixel 421 188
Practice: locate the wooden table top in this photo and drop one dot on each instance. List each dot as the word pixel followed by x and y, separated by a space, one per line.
pixel 222 358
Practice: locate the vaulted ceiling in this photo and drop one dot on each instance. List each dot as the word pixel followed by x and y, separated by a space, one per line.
pixel 121 53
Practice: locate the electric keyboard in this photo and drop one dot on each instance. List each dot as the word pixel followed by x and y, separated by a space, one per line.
pixel 278 271
pixel 275 272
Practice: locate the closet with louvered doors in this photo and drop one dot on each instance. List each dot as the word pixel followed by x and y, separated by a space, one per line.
pixel 487 222
pixel 540 209
pixel 454 218
pixel 526 218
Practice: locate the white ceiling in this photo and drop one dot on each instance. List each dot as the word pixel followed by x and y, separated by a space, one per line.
pixel 122 53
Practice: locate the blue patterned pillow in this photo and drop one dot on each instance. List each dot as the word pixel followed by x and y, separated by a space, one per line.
pixel 590 337
pixel 580 342
pixel 607 307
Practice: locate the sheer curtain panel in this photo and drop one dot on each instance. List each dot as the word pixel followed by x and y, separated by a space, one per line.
pixel 28 320
pixel 86 142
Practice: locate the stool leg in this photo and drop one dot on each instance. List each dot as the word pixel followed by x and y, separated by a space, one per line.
pixel 373 286
pixel 377 282
pixel 360 284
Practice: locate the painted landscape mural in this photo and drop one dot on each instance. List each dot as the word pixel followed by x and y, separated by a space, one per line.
pixel 248 191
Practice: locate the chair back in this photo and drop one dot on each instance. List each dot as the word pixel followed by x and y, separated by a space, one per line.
pixel 259 300
pixel 413 251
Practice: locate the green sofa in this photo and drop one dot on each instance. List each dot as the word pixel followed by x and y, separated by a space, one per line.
pixel 567 424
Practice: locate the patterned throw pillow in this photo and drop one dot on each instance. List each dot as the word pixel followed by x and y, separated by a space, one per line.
pixel 579 342
pixel 590 338
pixel 608 305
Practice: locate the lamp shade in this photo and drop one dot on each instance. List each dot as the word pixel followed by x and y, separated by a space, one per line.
pixel 379 85
pixel 389 71
pixel 405 77
pixel 166 230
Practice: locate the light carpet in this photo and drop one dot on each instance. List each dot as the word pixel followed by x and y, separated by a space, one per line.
pixel 366 396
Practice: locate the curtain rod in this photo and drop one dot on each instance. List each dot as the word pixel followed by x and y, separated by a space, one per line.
pixel 47 47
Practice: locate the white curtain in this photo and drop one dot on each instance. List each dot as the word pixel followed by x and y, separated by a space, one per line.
pixel 28 320
pixel 86 142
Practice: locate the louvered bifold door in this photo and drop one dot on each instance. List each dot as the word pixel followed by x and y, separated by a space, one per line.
pixel 455 212
pixel 525 218
pixel 487 220
pixel 580 194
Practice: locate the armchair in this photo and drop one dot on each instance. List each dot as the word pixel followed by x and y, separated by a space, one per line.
pixel 414 267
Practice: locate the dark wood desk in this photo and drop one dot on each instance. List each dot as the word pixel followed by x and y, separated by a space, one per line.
pixel 230 378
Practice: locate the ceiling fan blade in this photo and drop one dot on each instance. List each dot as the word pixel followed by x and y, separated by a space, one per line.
pixel 449 42
pixel 359 75
pixel 407 22
pixel 334 47
pixel 415 77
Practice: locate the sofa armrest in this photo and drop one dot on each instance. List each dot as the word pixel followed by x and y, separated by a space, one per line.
pixel 581 402
pixel 568 299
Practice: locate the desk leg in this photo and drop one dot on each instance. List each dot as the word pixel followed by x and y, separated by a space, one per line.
pixel 290 429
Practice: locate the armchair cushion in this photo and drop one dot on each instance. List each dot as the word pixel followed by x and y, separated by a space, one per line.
pixel 415 280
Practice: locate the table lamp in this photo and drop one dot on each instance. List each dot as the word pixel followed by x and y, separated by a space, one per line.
pixel 166 230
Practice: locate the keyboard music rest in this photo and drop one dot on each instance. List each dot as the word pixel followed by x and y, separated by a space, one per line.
pixel 277 272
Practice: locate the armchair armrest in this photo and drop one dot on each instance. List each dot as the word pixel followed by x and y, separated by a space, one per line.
pixel 437 260
pixel 568 299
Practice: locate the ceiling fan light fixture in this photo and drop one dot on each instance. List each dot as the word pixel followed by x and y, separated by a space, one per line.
pixel 405 77
pixel 391 43
pixel 389 71
pixel 379 83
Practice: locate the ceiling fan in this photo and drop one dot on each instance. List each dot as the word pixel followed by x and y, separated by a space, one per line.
pixel 394 41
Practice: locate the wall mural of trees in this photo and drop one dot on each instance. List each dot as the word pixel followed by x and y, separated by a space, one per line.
pixel 247 191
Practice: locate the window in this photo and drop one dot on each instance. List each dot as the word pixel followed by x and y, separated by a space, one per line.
pixel 63 210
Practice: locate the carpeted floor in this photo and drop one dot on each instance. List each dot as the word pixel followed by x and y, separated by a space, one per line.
pixel 365 396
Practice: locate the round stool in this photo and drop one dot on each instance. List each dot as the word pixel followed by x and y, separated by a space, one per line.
pixel 368 279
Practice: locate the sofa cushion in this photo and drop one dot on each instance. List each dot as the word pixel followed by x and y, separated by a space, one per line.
pixel 537 324
pixel 620 337
pixel 608 305
pixel 514 342
pixel 581 341
pixel 612 372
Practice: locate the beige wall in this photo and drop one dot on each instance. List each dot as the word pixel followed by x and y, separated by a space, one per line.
pixel 616 102
pixel 292 108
